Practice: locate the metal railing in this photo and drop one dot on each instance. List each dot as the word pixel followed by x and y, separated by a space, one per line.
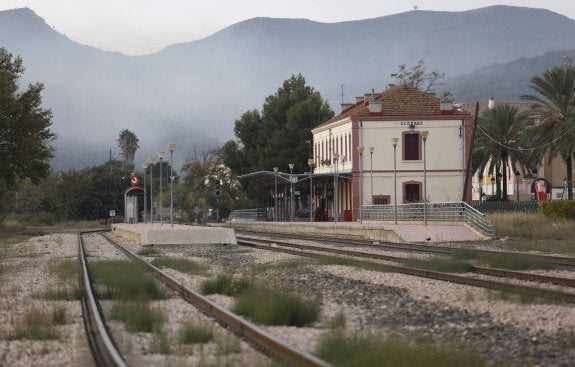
pixel 459 212
pixel 526 206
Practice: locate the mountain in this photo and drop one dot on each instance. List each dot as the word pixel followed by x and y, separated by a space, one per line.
pixel 191 93
pixel 504 82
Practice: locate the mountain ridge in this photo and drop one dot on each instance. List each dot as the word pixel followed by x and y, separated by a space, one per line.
pixel 191 93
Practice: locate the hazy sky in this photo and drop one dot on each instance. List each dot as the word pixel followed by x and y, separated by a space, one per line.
pixel 137 27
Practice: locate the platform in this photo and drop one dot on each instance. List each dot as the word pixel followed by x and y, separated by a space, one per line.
pixel 375 231
pixel 156 234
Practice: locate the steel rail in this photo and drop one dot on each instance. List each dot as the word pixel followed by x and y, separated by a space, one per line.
pixel 252 332
pixel 556 259
pixel 460 279
pixel 101 342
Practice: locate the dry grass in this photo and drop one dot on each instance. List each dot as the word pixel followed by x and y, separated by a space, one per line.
pixel 534 232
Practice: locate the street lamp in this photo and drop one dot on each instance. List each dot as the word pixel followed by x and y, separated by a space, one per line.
pixel 310 161
pixel 424 135
pixel 276 194
pixel 371 170
pixel 517 174
pixel 394 142
pixel 360 151
pixel 151 165
pixel 335 181
pixel 492 187
pixel 161 156
pixel 145 166
pixel 291 191
pixel 171 147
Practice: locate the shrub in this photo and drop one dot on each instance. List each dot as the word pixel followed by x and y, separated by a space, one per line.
pixel 226 284
pixel 149 251
pixel 564 209
pixel 196 334
pixel 273 307
pixel 365 349
pixel 182 265
pixel 37 325
pixel 138 316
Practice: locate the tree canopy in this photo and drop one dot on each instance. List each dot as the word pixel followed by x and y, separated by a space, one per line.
pixel 281 133
pixel 555 101
pixel 128 142
pixel 24 125
pixel 418 77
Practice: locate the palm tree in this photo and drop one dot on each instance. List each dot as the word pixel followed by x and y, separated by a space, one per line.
pixel 128 142
pixel 498 145
pixel 556 105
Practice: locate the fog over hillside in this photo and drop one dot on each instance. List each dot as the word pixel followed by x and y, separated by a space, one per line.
pixel 191 93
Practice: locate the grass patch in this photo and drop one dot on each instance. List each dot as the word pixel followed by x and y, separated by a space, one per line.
pixel 125 280
pixel 149 251
pixel 66 269
pixel 338 321
pixel 229 344
pixel 226 284
pixel 287 265
pixel 72 293
pixel 181 265
pixel 531 226
pixel 196 334
pixel 59 316
pixel 515 261
pixel 160 343
pixel 343 349
pixel 441 264
pixel 138 316
pixel 273 307
pixel 38 325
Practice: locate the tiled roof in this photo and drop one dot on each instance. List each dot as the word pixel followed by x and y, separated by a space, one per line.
pixel 401 100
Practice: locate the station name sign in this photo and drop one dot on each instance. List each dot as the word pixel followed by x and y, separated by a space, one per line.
pixel 411 123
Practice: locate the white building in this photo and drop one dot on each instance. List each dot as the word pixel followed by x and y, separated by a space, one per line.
pixel 439 165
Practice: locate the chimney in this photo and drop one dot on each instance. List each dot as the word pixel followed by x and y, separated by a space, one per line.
pixel 358 99
pixel 345 106
pixel 375 107
pixel 491 103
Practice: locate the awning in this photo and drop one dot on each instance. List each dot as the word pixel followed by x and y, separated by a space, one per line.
pixel 268 178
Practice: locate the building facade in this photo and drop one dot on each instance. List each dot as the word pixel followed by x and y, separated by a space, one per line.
pixel 357 148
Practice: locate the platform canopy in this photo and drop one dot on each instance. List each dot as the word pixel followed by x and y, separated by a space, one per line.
pixel 267 178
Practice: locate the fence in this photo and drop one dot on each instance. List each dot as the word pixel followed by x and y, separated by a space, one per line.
pixel 459 212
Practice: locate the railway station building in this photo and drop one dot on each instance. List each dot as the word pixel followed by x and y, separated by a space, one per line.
pixel 385 148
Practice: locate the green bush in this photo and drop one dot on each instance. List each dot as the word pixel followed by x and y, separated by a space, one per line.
pixel 196 334
pixel 125 280
pixel 138 316
pixel 364 349
pixel 564 209
pixel 225 284
pixel 273 307
pixel 181 265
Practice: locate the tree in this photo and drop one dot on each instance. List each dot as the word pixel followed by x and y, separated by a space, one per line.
pixel 280 134
pixel 128 142
pixel 418 77
pixel 556 104
pixel 24 126
pixel 498 143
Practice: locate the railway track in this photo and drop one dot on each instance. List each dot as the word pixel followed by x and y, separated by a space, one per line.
pixel 104 347
pixel 567 261
pixel 311 250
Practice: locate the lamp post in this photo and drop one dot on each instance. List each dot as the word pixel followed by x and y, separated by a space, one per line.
pixel 161 156
pixel 424 135
pixel 492 187
pixel 360 151
pixel 394 142
pixel 276 194
pixel 335 181
pixel 151 165
pixel 171 147
pixel 145 166
pixel 291 208
pixel 310 161
pixel 517 174
pixel 371 170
